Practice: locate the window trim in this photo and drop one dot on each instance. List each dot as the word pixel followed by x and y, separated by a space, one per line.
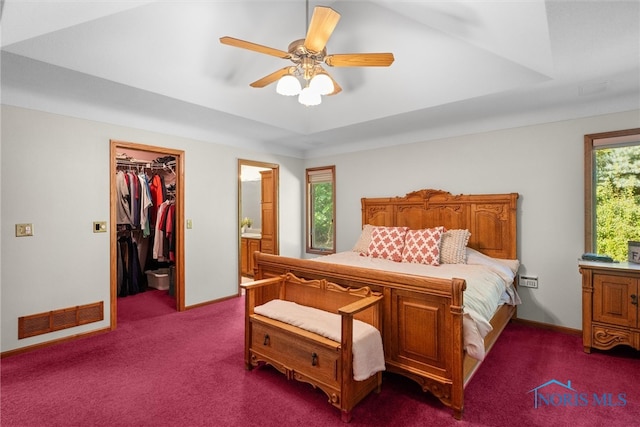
pixel 591 141
pixel 308 173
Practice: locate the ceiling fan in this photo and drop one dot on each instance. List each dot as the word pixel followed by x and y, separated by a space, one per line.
pixel 307 56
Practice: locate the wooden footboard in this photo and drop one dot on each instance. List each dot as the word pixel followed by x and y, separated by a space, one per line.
pixel 422 320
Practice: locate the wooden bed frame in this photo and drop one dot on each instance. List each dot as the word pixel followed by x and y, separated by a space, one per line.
pixel 422 316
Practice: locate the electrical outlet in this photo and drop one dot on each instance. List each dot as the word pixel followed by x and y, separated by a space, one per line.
pixel 528 281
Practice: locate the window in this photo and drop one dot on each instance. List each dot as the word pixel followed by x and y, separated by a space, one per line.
pixel 612 192
pixel 321 210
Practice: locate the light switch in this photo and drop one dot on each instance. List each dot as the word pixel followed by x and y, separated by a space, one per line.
pixel 189 224
pixel 99 226
pixel 24 230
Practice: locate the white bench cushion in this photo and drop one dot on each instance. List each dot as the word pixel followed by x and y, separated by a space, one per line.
pixel 368 354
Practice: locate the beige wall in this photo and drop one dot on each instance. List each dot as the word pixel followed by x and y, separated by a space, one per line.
pixel 55 174
pixel 543 163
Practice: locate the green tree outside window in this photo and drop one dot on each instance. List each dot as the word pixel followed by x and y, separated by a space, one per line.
pixel 321 210
pixel 617 192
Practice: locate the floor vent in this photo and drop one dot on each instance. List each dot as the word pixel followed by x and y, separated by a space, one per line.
pixel 42 323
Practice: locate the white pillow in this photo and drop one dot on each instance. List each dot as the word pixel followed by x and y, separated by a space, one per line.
pixel 362 245
pixel 453 245
pixel 506 268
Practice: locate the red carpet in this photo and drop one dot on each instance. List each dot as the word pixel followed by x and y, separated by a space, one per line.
pixel 164 368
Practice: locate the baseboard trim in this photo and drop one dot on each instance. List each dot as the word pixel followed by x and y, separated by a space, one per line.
pixel 52 342
pixel 202 304
pixel 548 326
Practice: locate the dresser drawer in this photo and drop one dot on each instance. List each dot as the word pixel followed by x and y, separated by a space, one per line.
pixel 296 352
pixel 607 336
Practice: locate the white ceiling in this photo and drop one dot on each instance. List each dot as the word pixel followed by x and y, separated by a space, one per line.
pixel 460 67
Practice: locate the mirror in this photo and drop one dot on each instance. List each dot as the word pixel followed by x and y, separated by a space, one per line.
pixel 257 213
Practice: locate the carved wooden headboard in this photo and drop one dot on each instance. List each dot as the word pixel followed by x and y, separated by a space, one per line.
pixel 491 218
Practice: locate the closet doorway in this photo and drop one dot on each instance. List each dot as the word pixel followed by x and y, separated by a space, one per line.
pixel 258 200
pixel 141 158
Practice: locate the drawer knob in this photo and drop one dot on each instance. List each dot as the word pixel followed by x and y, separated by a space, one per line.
pixel 634 299
pixel 266 339
pixel 314 359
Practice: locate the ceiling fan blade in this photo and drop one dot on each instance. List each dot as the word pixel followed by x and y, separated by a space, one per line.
pixel 266 80
pixel 359 60
pixel 254 47
pixel 323 22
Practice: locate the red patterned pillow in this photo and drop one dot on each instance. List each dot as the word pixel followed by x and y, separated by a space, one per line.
pixel 423 246
pixel 387 243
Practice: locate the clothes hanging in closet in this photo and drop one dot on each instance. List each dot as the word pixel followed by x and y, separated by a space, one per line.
pixel 158 193
pixel 138 199
pixel 164 239
pixel 145 205
pixel 130 276
pixel 146 220
pixel 124 199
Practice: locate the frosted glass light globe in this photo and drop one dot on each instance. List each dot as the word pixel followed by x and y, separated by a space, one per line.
pixel 288 86
pixel 309 97
pixel 322 84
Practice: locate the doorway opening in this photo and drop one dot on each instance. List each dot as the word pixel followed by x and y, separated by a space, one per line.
pixel 141 161
pixel 258 184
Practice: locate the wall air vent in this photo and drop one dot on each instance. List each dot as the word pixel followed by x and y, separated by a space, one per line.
pixel 42 323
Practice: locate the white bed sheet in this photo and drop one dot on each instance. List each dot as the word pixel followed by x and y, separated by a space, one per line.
pixel 486 290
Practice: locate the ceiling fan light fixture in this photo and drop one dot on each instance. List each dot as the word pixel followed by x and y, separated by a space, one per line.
pixel 322 84
pixel 288 86
pixel 307 55
pixel 309 97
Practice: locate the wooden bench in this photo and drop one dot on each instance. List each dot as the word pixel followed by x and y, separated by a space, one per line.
pixel 307 356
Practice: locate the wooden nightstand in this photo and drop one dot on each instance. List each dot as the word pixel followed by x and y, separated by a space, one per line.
pixel 610 305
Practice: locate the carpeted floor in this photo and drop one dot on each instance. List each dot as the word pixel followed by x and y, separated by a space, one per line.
pixel 164 368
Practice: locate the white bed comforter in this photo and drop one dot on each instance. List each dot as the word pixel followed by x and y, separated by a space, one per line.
pixel 488 286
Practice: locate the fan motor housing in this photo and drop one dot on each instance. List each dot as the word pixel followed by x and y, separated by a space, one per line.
pixel 298 50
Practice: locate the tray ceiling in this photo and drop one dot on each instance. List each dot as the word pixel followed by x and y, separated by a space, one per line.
pixel 459 67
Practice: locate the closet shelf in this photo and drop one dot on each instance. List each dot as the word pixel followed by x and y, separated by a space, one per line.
pixel 144 164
